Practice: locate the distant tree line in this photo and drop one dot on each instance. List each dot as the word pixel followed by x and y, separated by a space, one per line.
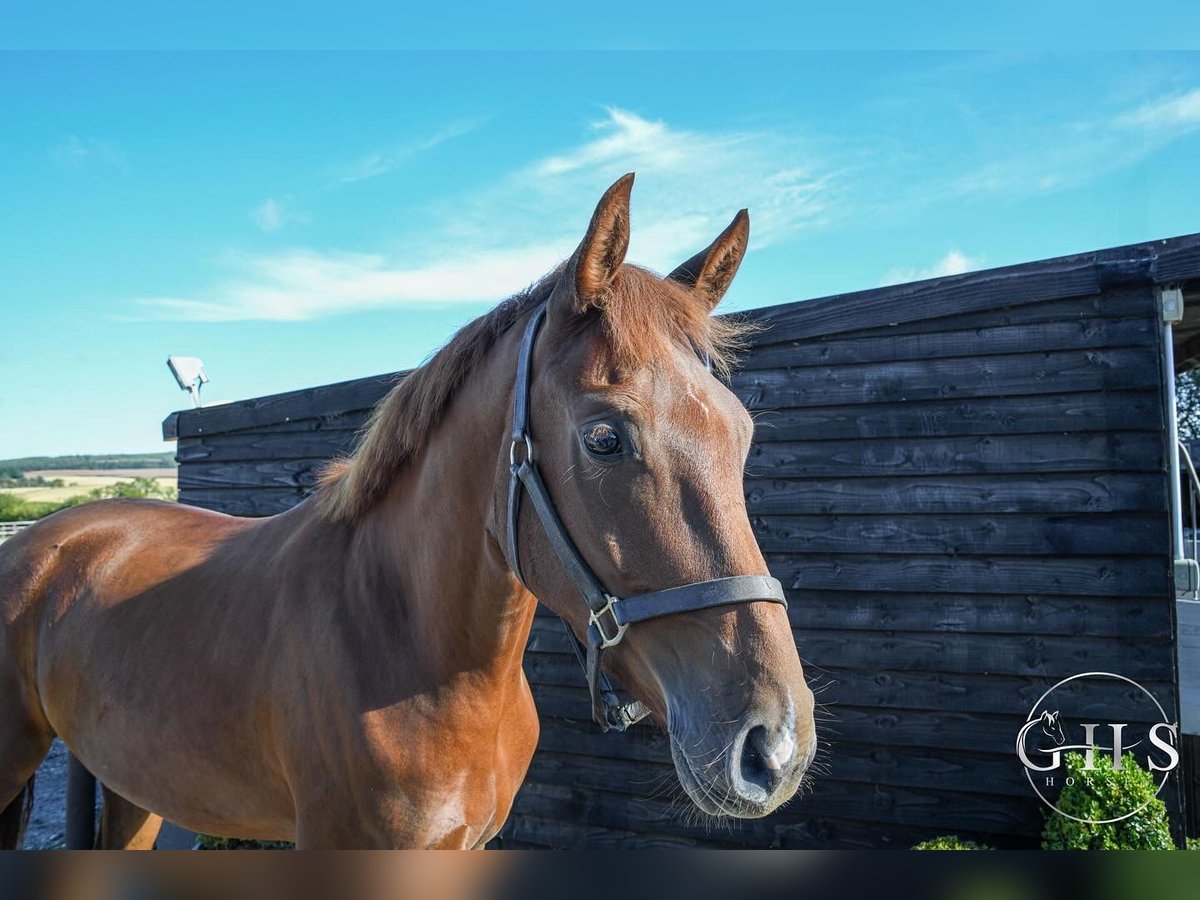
pixel 14 477
pixel 91 461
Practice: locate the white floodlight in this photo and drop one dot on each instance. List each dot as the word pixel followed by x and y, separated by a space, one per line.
pixel 189 372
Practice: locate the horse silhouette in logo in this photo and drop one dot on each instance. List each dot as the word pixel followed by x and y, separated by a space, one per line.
pixel 1052 728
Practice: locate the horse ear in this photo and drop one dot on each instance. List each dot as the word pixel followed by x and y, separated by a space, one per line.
pixel 594 265
pixel 710 271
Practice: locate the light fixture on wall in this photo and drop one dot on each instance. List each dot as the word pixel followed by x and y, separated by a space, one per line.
pixel 189 373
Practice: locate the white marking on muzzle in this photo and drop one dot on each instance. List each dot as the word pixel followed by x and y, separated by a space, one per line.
pixel 781 754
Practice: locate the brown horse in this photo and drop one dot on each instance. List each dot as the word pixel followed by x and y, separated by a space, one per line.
pixel 348 673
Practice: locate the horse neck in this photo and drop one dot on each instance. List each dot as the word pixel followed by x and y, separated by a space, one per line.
pixel 430 539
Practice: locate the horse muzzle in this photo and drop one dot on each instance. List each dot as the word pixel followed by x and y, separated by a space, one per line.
pixel 748 770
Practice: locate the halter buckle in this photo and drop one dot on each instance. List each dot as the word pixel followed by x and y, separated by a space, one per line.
pixel 594 619
pixel 527 442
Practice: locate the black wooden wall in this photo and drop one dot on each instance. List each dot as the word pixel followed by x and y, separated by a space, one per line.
pixel 961 482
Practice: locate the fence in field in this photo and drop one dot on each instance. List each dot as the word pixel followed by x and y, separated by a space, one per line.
pixel 8 529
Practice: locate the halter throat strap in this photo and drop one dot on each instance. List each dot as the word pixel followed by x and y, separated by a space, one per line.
pixel 610 615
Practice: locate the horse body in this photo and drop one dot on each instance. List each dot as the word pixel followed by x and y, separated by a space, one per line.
pixel 298 678
pixel 348 673
pixel 125 625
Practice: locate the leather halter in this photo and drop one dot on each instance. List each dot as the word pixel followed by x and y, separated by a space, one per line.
pixel 610 615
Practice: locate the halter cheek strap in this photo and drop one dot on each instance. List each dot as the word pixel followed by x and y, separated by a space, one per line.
pixel 610 616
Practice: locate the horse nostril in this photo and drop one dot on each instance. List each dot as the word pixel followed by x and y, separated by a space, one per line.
pixel 756 768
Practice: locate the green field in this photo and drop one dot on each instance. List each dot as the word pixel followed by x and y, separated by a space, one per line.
pixel 33 487
pixel 83 481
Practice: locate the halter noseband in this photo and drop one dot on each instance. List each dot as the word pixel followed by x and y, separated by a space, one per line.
pixel 610 615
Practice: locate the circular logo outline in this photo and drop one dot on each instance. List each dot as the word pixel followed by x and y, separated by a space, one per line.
pixel 1030 719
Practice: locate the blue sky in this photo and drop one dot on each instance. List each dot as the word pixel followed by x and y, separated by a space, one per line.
pixel 302 218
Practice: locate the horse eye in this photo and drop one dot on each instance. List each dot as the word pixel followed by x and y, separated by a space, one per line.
pixel 602 439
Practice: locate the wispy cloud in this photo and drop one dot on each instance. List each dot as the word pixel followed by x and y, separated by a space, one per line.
pixel 629 138
pixel 955 262
pixel 490 243
pixel 305 284
pixel 380 162
pixel 275 213
pixel 690 183
pixel 74 152
pixel 1043 157
pixel 1179 110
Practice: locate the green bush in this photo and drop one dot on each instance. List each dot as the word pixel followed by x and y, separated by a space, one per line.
pixel 138 489
pixel 950 842
pixel 1105 793
pixel 208 842
pixel 14 508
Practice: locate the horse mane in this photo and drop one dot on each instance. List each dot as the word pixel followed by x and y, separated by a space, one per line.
pixel 642 317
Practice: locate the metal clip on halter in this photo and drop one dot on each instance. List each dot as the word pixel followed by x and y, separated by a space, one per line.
pixel 594 619
pixel 527 442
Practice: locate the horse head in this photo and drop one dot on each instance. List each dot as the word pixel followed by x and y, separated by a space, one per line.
pixel 642 449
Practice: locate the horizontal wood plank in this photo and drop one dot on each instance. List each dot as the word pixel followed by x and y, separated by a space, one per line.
pixel 255 447
pixel 1136 301
pixel 1178 260
pixel 981 614
pixel 1114 534
pixel 949 379
pixel 993 454
pixel 254 502
pixel 1019 492
pixel 328 400
pixel 973 292
pixel 291 473
pixel 1076 576
pixel 1038 414
pixel 850 349
pixel 349 421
